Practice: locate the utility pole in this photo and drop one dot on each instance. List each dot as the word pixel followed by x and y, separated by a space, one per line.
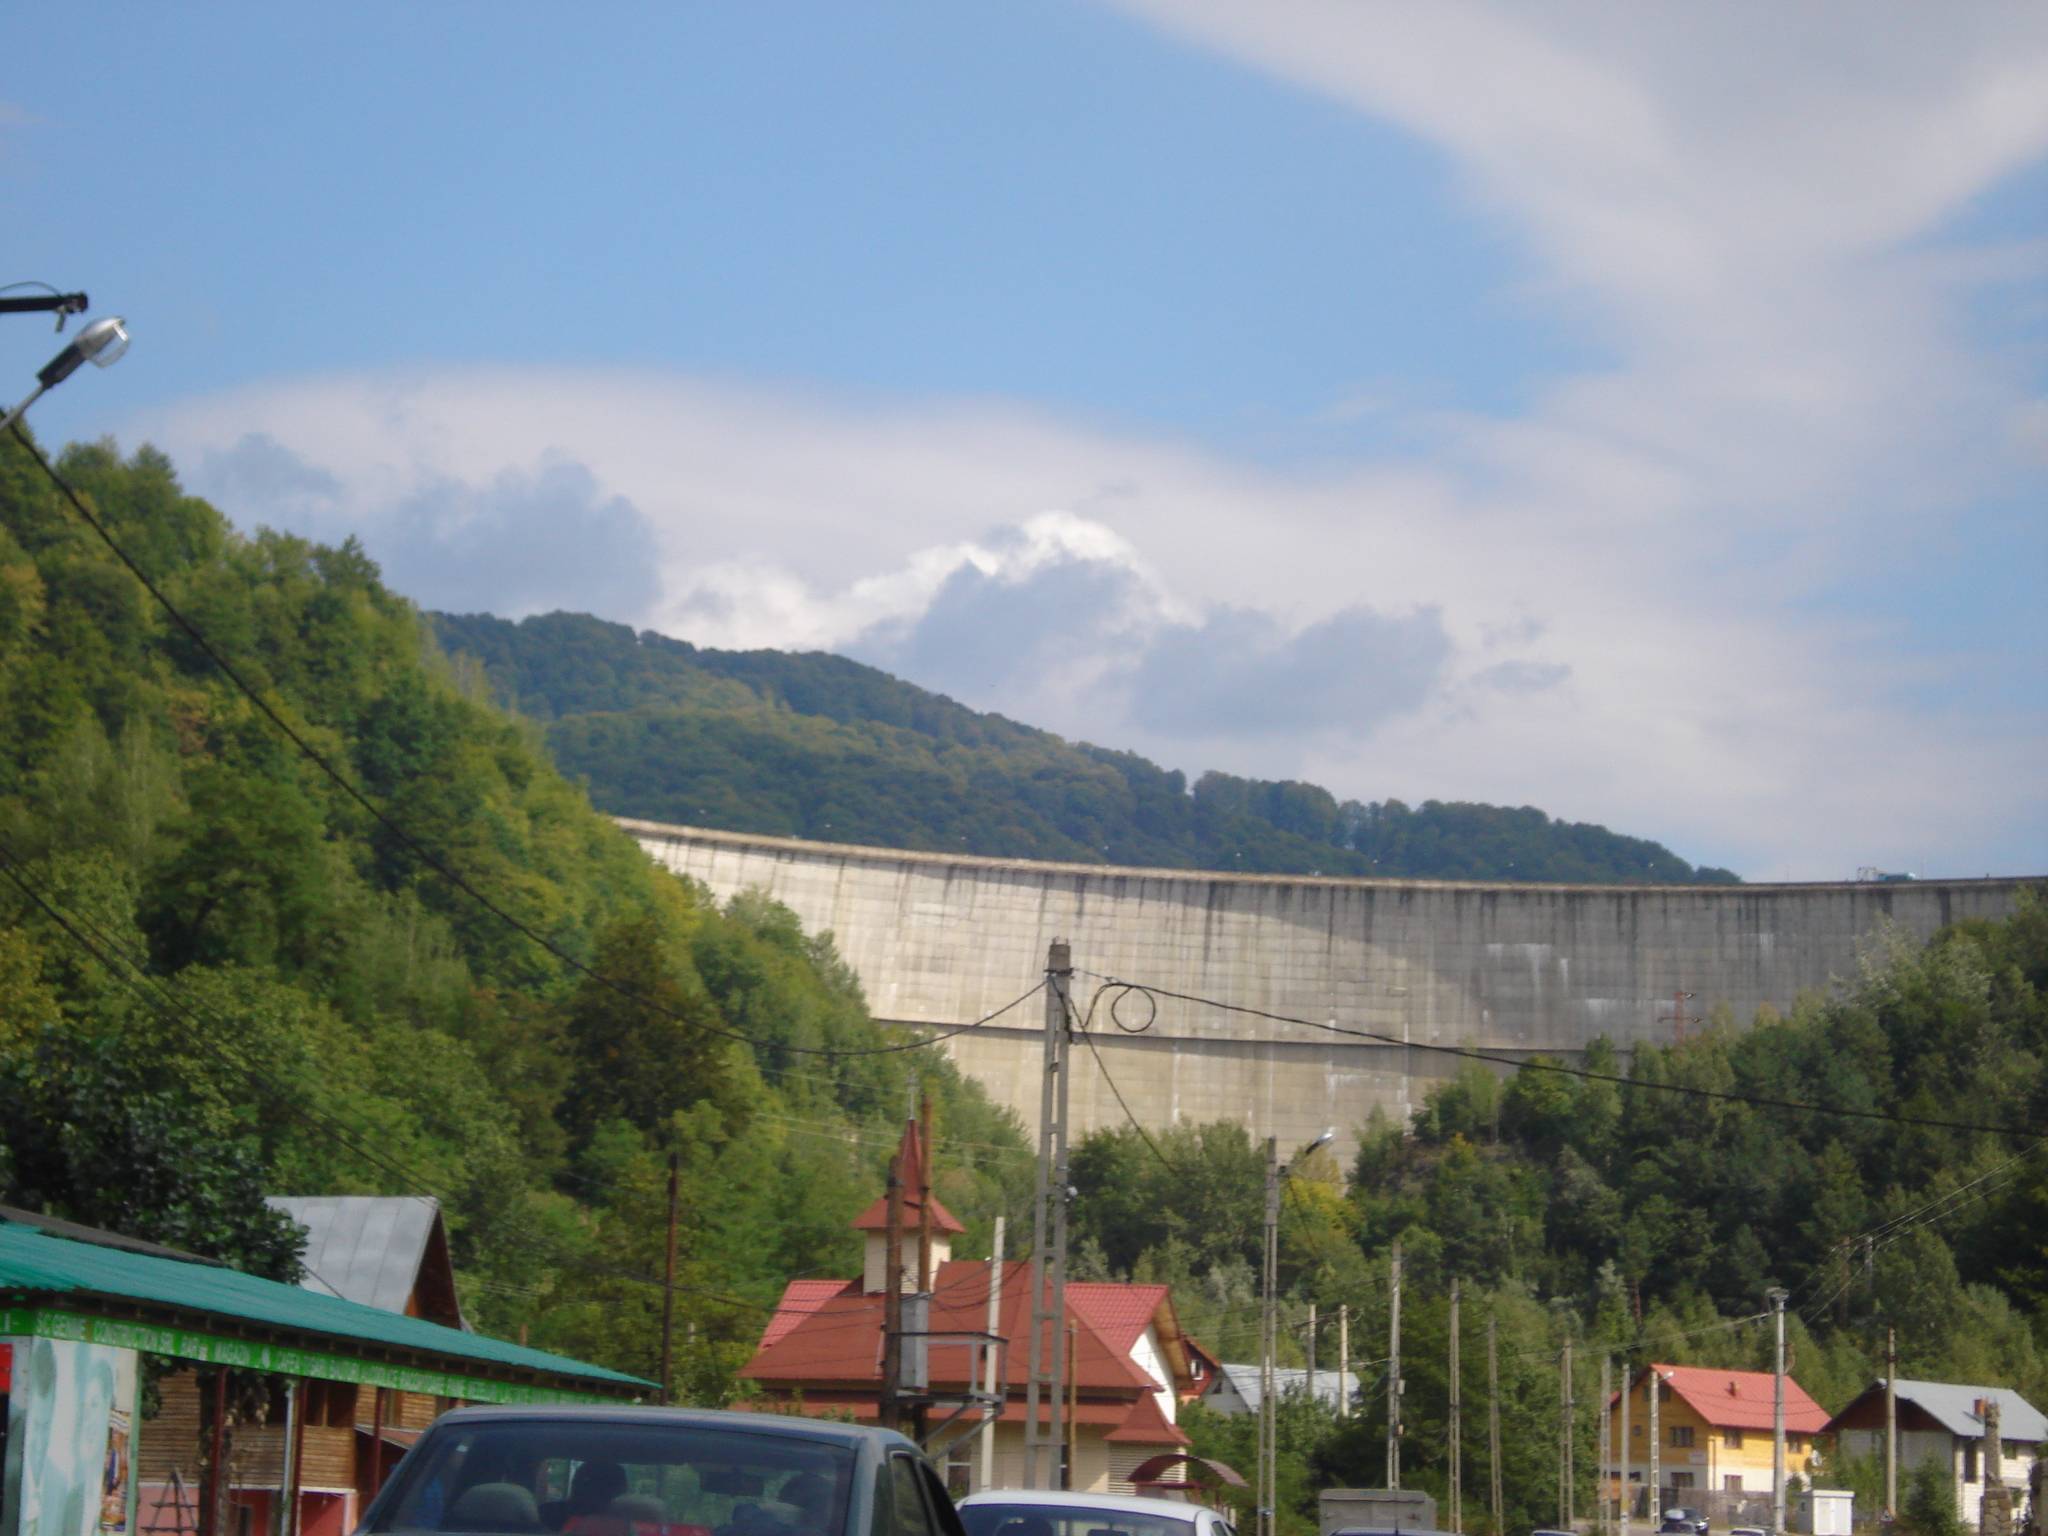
pixel 1493 1422
pixel 1564 1435
pixel 1457 1446
pixel 1606 1436
pixel 1310 1381
pixel 1656 1451
pixel 1049 1222
pixel 993 1410
pixel 1394 1369
pixel 892 1303
pixel 1778 1297
pixel 1891 1422
pixel 1269 1287
pixel 1626 1504
pixel 668 1289
pixel 1343 1359
pixel 922 1345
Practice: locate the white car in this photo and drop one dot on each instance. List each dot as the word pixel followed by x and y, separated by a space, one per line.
pixel 1039 1512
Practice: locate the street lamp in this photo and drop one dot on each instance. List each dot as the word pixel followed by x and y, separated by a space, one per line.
pixel 1270 1285
pixel 100 343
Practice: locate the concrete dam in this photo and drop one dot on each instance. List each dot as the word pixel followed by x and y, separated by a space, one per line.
pixel 941 939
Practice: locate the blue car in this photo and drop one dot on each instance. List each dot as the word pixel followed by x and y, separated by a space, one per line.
pixel 626 1471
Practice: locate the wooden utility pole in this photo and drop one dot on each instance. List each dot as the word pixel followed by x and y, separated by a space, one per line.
pixel 1457 1445
pixel 892 1302
pixel 1394 1369
pixel 1493 1424
pixel 668 1290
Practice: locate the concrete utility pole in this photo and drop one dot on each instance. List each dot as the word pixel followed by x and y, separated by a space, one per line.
pixel 1606 1438
pixel 1049 1219
pixel 1778 1297
pixel 1456 1433
pixel 921 1329
pixel 1394 1369
pixel 1627 1505
pixel 1657 1451
pixel 1311 1380
pixel 1269 1285
pixel 1493 1421
pixel 1343 1360
pixel 988 1370
pixel 1891 1422
pixel 1564 1434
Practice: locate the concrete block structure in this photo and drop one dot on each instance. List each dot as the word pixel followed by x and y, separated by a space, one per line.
pixel 939 940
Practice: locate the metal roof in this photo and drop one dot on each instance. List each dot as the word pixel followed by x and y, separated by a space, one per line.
pixel 363 1248
pixel 34 1264
pixel 1954 1406
pixel 1292 1381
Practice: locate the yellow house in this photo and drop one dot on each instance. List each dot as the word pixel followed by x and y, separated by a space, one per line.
pixel 1713 1437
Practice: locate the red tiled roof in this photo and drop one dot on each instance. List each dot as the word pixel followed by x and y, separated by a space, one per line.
pixel 1742 1399
pixel 1146 1425
pixel 800 1298
pixel 1120 1313
pixel 911 1162
pixel 839 1340
pixel 815 1405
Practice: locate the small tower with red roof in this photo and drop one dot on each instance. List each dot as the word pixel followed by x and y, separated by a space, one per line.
pixel 873 1223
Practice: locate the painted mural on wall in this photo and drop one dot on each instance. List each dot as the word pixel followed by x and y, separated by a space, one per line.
pixel 69 1461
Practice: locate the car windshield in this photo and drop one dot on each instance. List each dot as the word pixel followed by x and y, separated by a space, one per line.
pixel 541 1477
pixel 1071 1520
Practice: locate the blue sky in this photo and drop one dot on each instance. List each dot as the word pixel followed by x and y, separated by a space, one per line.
pixel 1638 415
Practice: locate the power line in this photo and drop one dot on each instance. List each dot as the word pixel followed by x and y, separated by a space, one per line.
pixel 419 850
pixel 1538 1065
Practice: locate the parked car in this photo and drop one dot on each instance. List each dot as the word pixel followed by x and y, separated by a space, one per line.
pixel 626 1471
pixel 1694 1520
pixel 1037 1512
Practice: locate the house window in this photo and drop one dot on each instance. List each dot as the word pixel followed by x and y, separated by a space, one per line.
pixel 1969 1461
pixel 1731 1484
pixel 1795 1443
pixel 1732 1439
pixel 1681 1435
pixel 1681 1480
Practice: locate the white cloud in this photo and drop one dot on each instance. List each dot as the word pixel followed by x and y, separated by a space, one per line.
pixel 1603 606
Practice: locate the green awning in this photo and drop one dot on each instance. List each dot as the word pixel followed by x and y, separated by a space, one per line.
pixel 55 1287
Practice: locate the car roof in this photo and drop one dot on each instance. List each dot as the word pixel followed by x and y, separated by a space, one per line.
pixel 832 1431
pixel 1128 1503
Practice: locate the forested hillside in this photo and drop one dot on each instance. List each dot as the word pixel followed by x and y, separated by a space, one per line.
pixel 818 746
pixel 221 977
pixel 1642 1222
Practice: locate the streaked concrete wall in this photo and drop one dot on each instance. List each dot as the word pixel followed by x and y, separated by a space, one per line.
pixel 939 939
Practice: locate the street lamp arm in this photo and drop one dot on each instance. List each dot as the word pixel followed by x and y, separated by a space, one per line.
pixel 43 303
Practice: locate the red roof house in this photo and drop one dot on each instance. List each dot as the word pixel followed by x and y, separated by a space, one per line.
pixel 1713 1437
pixel 1130 1366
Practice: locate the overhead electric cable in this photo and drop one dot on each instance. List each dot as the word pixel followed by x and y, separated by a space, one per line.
pixel 419 850
pixel 1470 1053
